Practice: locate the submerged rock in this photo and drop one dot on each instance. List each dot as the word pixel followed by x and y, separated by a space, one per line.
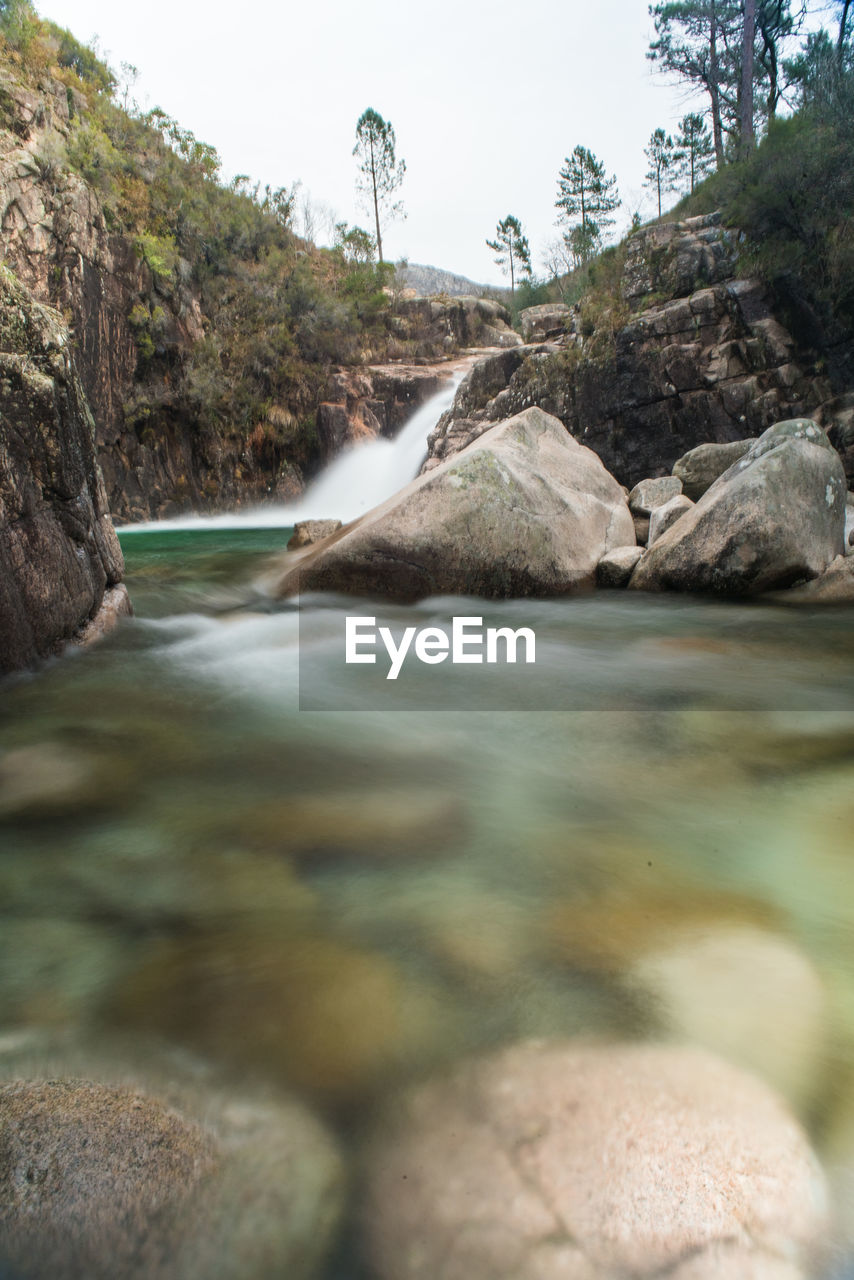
pixel 777 516
pixel 566 1160
pixel 101 1181
pixel 523 511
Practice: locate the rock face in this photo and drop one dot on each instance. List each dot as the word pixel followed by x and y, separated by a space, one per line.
pixel 642 387
pixel 776 517
pixel 368 403
pixel 577 1162
pixel 58 548
pixel 102 1182
pixel 547 321
pixel 525 510
pixel 699 468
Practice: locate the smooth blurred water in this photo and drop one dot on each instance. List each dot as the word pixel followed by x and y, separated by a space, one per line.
pixel 344 900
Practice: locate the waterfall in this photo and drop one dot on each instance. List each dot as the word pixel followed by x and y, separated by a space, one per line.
pixel 360 478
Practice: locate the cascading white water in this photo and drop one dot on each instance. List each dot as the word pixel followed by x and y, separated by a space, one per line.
pixel 358 479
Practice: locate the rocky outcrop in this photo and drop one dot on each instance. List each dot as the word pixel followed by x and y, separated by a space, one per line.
pixel 363 404
pixel 709 362
pixel 58 549
pixel 776 517
pixel 563 1160
pixel 550 320
pixel 523 511
pixel 442 325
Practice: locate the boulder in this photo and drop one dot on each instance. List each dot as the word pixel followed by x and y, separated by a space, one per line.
pixel 573 1161
pixel 616 567
pixel 834 586
pixel 649 494
pixel 665 516
pixel 774 518
pixel 849 525
pixel 109 1182
pixel 699 468
pixel 523 511
pixel 307 532
pixel 115 605
pixel 547 321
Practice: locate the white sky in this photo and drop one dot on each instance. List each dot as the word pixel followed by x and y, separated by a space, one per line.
pixel 486 97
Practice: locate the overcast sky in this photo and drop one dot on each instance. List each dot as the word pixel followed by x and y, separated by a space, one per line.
pixel 486 98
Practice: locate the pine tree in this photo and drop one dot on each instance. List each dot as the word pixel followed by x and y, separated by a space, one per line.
pixel 586 199
pixel 662 156
pixel 380 172
pixel 695 150
pixel 511 249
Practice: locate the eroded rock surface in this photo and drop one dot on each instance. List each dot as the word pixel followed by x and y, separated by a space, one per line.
pixel 58 549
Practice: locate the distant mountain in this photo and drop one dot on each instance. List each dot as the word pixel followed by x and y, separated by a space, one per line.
pixel 429 280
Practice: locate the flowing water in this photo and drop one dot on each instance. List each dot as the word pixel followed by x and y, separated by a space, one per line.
pixel 340 901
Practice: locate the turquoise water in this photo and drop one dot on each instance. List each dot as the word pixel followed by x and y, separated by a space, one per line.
pixel 337 903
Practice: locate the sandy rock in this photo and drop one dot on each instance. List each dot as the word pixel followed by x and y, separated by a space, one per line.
pixel 105 1181
pixel 524 510
pixel 307 532
pixel 666 515
pixel 615 568
pixel 775 517
pixel 649 494
pixel 567 1160
pixel 699 468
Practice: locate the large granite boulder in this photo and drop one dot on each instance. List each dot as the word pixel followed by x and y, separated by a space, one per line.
pixel 523 511
pixel 774 518
pixel 567 1161
pixel 546 321
pixel 58 549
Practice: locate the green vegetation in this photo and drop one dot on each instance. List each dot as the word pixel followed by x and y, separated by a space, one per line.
pixel 586 199
pixel 512 251
pixel 380 171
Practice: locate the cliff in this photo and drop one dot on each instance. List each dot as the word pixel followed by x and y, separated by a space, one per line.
pixel 58 549
pixel 672 349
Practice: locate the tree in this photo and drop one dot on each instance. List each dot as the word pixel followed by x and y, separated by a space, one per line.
pixel 662 156
pixel 586 198
pixel 688 42
pixel 380 171
pixel 511 249
pixel 748 39
pixel 695 150
pixel 845 9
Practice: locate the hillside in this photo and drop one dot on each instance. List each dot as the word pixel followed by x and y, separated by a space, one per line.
pixel 431 280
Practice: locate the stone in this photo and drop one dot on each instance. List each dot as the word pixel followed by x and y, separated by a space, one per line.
pixel 581 1161
pixel 699 468
pixel 744 992
pixel 616 567
pixel 834 586
pixel 58 548
pixel 774 518
pixel 307 532
pixel 546 321
pixel 665 516
pixel 115 605
pixel 641 524
pixel 109 1181
pixel 523 511
pixel 649 494
pixel 332 1020
pixel 849 525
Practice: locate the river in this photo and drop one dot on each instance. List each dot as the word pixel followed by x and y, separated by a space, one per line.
pixel 340 900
